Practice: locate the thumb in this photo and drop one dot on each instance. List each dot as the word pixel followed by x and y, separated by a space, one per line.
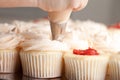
pixel 18 3
pixel 82 5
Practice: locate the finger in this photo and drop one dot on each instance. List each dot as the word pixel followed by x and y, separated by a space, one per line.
pixel 53 5
pixel 81 5
pixel 18 3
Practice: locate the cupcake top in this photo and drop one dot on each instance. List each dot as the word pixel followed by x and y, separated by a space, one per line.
pixel 87 54
pixel 9 40
pixel 76 40
pixel 88 27
pixel 6 28
pixel 43 45
pixel 84 34
pixel 114 33
pixel 31 35
pixel 115 26
pixel 88 51
pixel 31 27
pixel 101 42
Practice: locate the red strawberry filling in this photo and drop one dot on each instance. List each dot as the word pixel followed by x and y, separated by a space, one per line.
pixel 37 20
pixel 117 26
pixel 88 51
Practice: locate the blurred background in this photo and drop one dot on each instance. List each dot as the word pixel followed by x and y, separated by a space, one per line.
pixel 104 11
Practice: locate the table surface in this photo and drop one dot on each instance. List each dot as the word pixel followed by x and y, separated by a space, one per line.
pixel 21 77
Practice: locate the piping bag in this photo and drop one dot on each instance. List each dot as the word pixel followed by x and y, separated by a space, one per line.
pixel 58 23
pixel 59 11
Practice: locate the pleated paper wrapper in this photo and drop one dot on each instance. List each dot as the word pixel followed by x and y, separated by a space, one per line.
pixel 114 67
pixel 88 69
pixel 9 61
pixel 42 64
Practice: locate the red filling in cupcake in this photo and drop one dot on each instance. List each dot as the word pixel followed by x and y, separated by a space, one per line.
pixel 117 26
pixel 88 51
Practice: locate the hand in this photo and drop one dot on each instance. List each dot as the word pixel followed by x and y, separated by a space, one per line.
pixel 18 3
pixel 59 10
pixel 59 5
pixel 47 5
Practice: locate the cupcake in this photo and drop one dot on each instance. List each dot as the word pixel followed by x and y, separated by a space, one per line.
pixel 6 28
pixel 85 65
pixel 114 67
pixel 9 53
pixel 42 58
pixel 114 31
pixel 90 33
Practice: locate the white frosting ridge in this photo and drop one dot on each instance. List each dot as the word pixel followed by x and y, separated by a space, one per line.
pixel 74 40
pixel 115 43
pixel 43 45
pixel 33 28
pixel 6 28
pixel 9 41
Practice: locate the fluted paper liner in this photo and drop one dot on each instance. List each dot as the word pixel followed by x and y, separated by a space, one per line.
pixel 114 67
pixel 85 69
pixel 9 61
pixel 42 64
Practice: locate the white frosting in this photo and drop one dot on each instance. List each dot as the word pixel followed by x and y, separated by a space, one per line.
pixel 89 34
pixel 101 42
pixel 43 45
pixel 107 42
pixel 39 29
pixel 9 41
pixel 91 28
pixel 6 28
pixel 21 26
pixel 115 43
pixel 74 40
pixel 31 35
pixel 87 28
pixel 79 35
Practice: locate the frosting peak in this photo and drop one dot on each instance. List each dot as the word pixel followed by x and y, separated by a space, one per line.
pixel 43 45
pixel 9 41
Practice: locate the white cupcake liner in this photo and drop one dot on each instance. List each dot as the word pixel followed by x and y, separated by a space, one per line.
pixel 114 68
pixel 85 69
pixel 9 61
pixel 42 64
